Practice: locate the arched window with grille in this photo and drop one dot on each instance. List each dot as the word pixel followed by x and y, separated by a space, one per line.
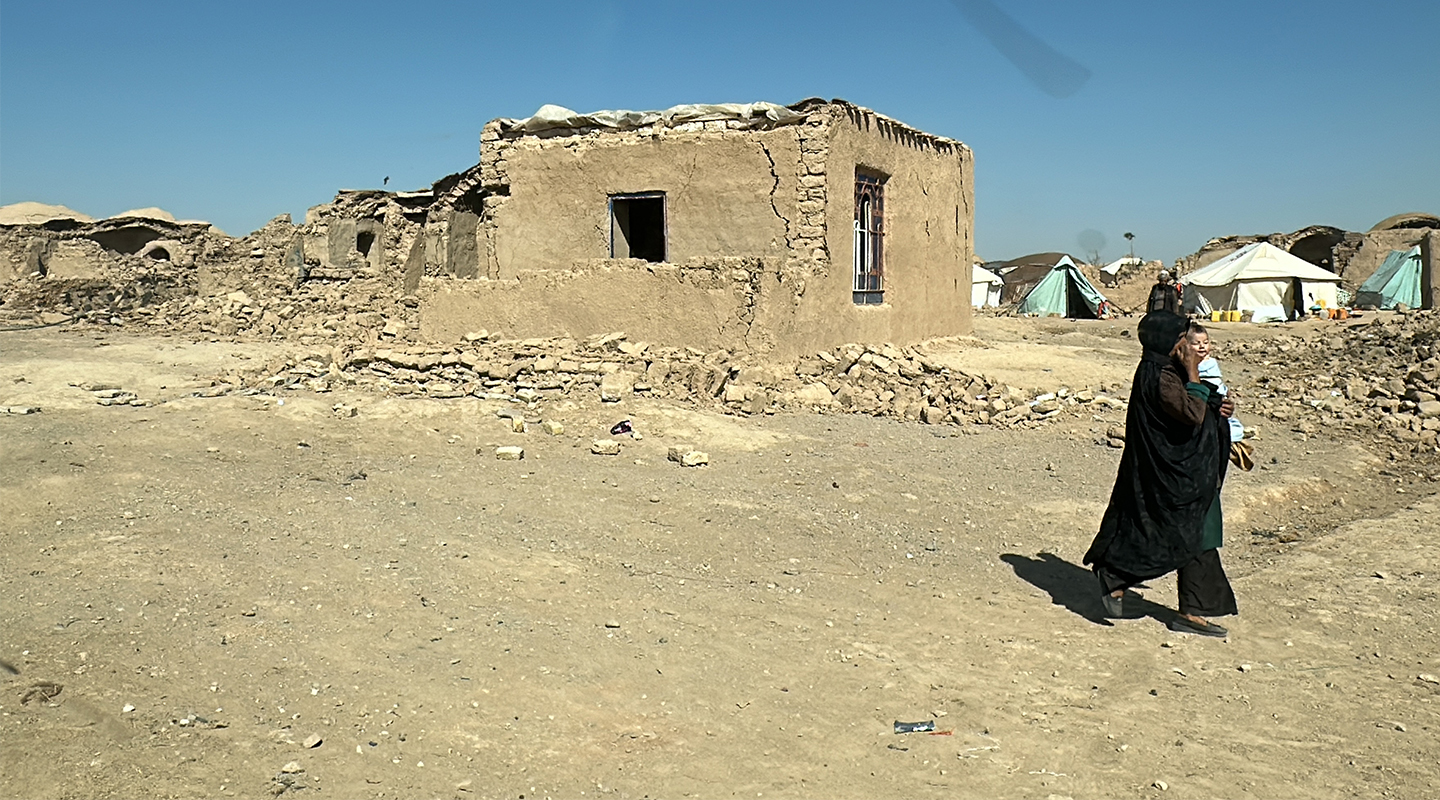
pixel 869 285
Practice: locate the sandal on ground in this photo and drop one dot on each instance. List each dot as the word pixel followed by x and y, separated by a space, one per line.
pixel 1187 625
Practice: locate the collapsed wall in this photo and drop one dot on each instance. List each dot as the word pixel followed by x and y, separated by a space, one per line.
pixel 707 226
pixel 193 278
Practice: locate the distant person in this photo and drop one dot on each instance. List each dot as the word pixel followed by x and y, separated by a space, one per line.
pixel 1164 295
pixel 1164 513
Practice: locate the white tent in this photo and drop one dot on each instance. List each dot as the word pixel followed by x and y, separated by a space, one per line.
pixel 985 288
pixel 1263 279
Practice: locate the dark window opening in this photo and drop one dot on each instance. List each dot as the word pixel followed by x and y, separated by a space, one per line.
pixel 472 201
pixel 869 284
pixel 128 240
pixel 637 226
pixel 159 254
pixel 364 240
pixel 1318 249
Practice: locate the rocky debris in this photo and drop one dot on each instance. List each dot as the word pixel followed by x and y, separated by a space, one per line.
pixel 43 691
pixel 688 458
pixel 605 447
pixel 552 427
pixel 877 380
pixel 510 453
pixel 291 776
pixel 1382 374
pixel 19 410
pixel 111 395
pixel 255 287
pixel 117 397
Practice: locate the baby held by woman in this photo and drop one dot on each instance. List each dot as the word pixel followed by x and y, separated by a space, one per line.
pixel 1210 373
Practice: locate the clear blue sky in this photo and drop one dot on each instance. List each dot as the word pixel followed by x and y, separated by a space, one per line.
pixel 1197 120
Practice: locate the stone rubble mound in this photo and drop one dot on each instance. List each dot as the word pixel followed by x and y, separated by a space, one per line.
pixel 1381 375
pixel 881 381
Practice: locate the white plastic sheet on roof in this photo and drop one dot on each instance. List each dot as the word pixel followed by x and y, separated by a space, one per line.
pixel 1114 267
pixel 549 117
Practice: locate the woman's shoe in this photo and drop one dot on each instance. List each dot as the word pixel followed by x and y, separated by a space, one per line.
pixel 1114 606
pixel 1202 628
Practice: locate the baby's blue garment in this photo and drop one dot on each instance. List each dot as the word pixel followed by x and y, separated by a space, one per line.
pixel 1209 370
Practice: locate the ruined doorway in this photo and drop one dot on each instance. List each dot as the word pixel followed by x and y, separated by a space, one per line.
pixel 1318 249
pixel 364 240
pixel 637 226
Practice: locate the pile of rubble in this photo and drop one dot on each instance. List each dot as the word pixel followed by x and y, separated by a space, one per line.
pixel 1383 374
pixel 882 381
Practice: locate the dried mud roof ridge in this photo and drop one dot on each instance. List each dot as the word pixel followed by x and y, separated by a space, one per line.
pixel 888 124
pixel 30 212
pixel 1411 219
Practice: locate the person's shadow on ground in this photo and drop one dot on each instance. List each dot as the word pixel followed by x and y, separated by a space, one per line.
pixel 1075 588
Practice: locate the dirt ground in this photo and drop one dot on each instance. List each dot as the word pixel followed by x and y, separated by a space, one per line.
pixel 244 597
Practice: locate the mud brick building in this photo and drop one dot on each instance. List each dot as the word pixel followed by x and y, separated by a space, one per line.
pixel 774 229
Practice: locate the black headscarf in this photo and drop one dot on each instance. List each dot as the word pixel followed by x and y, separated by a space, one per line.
pixel 1169 473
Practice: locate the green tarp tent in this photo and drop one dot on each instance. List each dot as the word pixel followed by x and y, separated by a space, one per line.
pixel 1064 292
pixel 1397 281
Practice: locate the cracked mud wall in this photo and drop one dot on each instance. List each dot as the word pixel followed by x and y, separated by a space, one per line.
pixel 704 303
pixel 721 196
pixel 928 238
pixel 731 208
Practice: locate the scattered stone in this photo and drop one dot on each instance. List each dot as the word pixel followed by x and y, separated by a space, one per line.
pixel 552 427
pixel 1245 667
pixel 688 458
pixel 292 768
pixel 517 424
pixel 313 741
pixel 605 447
pixel 1428 677
pixel 613 387
pixel 612 623
pixel 127 708
pixel 21 410
pixel 1161 785
pixel 510 453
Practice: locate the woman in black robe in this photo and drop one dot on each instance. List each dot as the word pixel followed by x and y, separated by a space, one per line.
pixel 1164 511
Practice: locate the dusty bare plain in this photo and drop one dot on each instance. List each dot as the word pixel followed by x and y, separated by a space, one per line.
pixel 239 597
